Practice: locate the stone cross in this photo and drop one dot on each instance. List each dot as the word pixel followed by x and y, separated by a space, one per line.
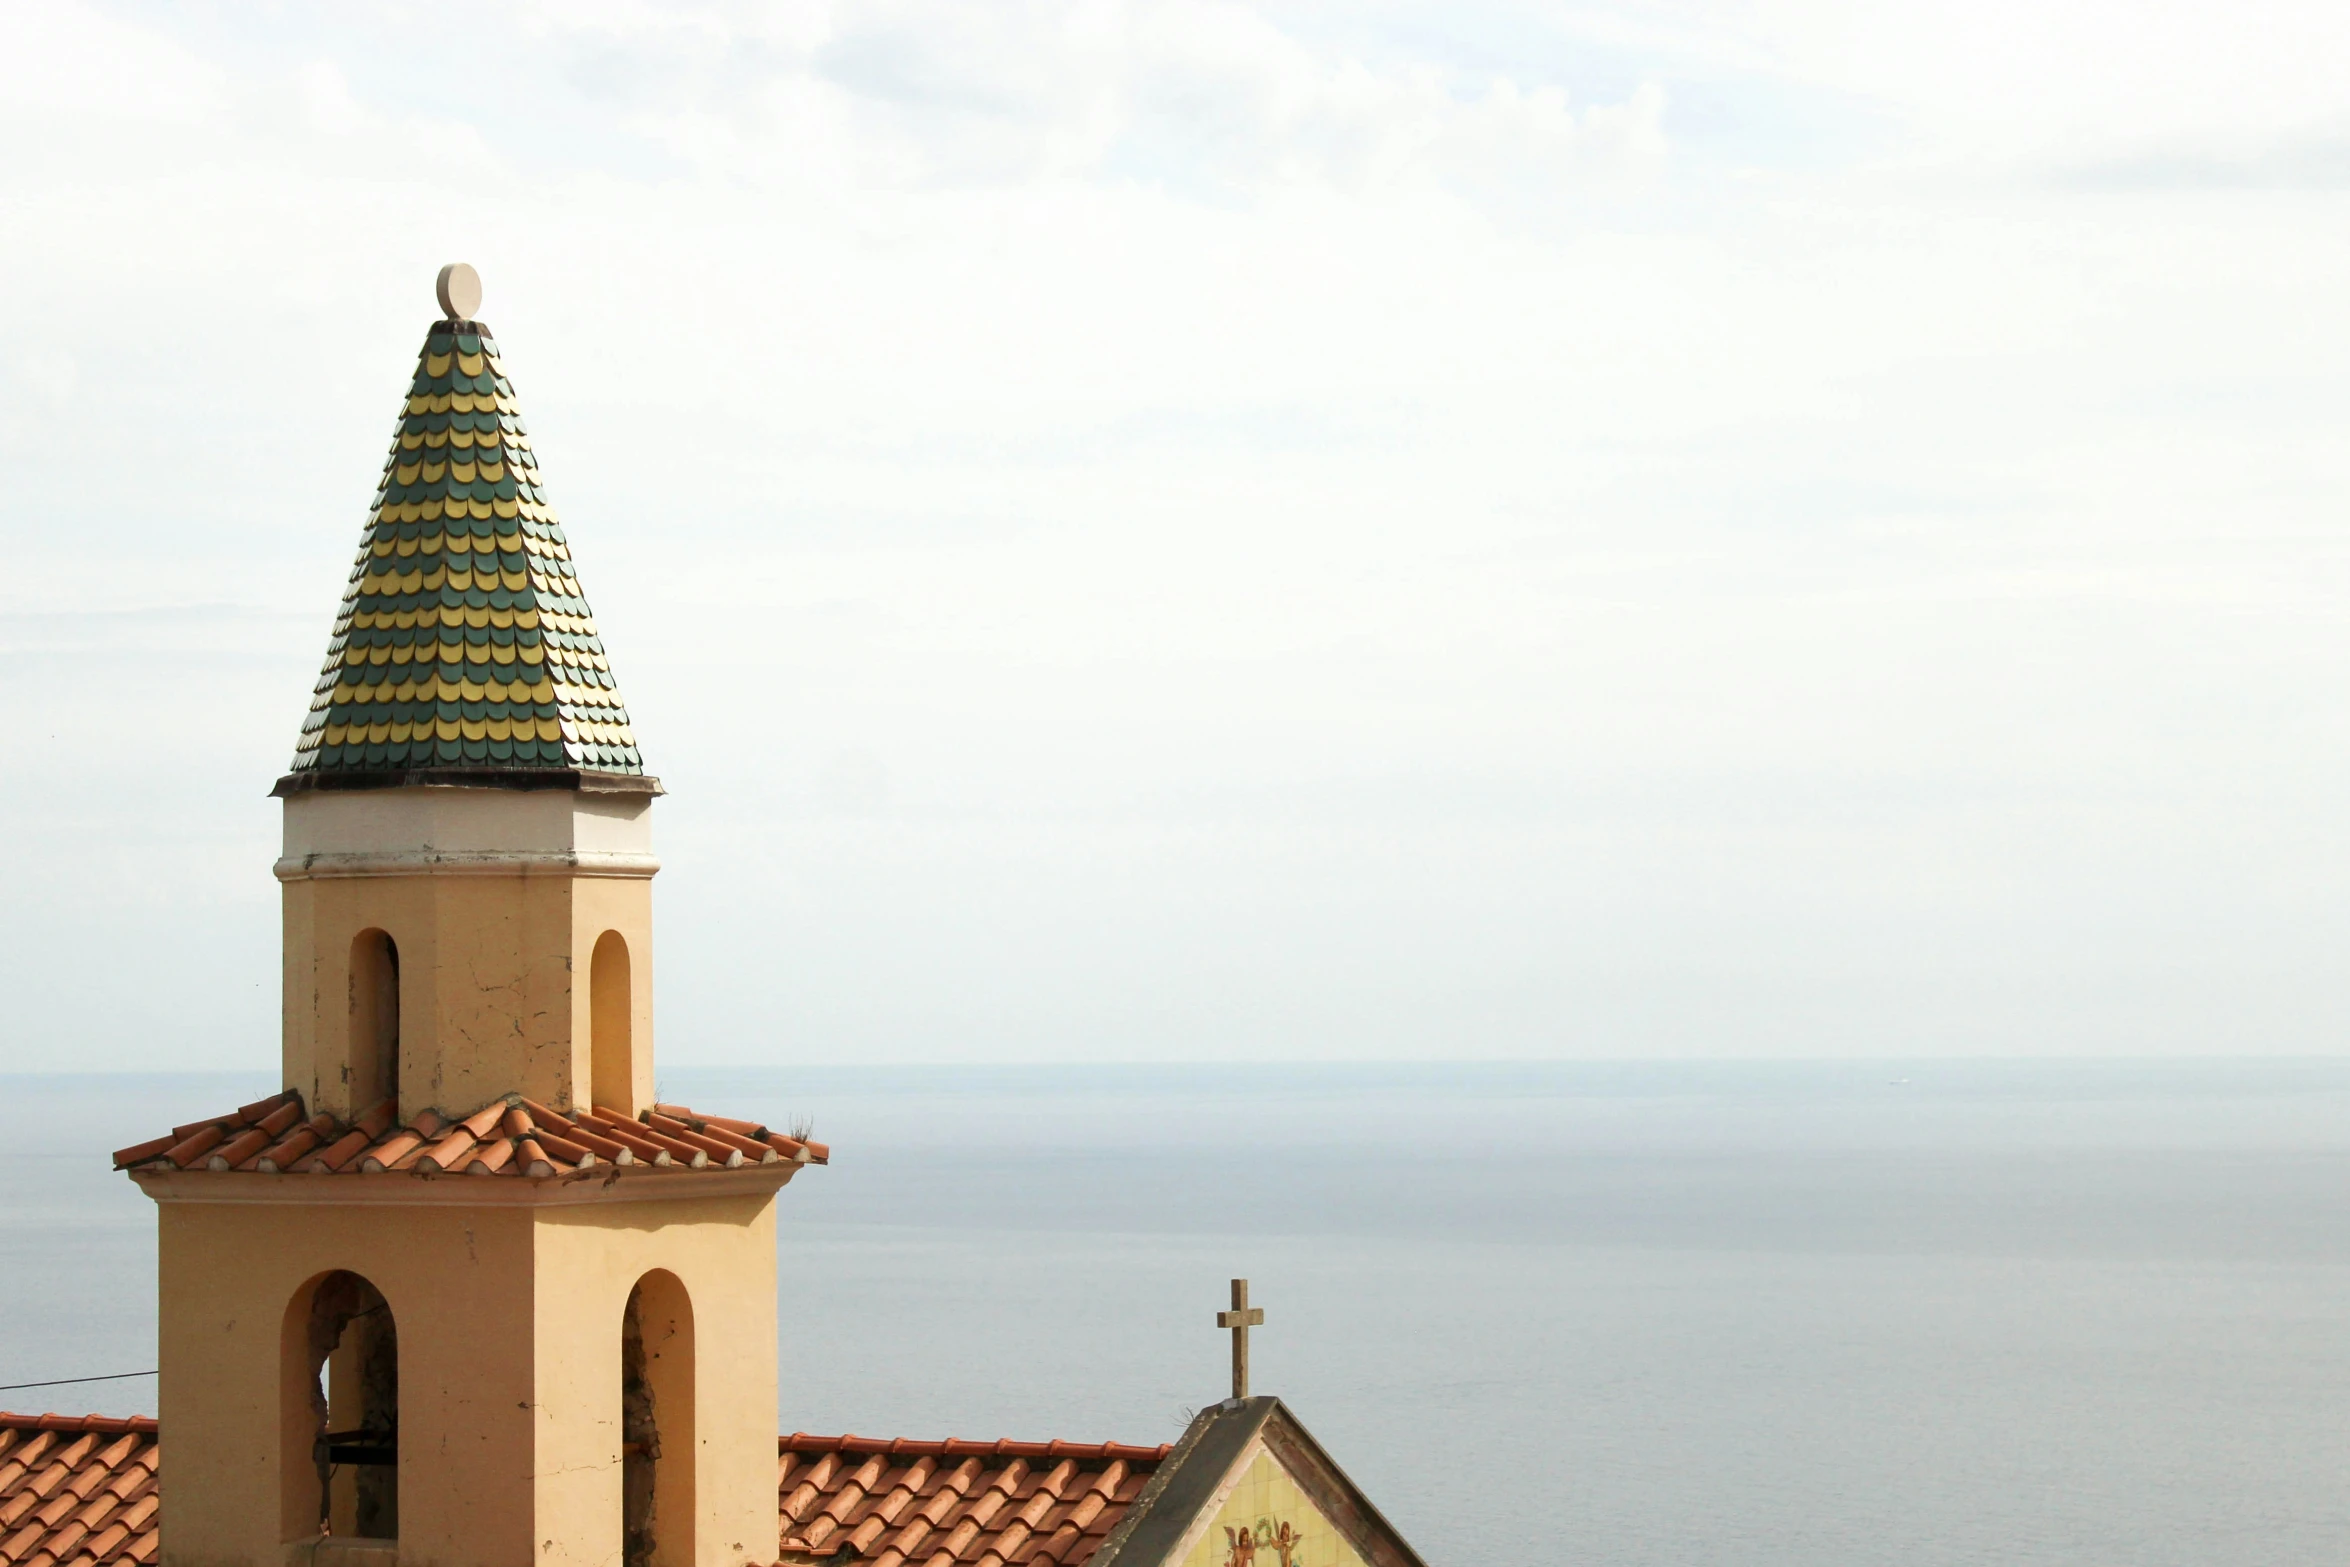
pixel 1240 1319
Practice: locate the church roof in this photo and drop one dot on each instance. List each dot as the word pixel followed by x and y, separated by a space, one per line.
pixel 81 1491
pixel 1221 1475
pixel 465 642
pixel 510 1136
pixel 897 1503
pixel 77 1491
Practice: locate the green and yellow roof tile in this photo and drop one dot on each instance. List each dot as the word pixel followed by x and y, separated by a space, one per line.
pixel 464 641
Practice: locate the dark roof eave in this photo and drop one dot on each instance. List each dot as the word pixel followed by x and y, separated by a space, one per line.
pixel 584 780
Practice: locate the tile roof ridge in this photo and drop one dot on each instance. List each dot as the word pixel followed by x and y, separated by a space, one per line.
pixel 103 1425
pixel 808 1442
pixel 748 1133
pixel 193 1139
pixel 509 1134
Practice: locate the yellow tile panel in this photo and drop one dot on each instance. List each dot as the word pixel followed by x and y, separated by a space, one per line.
pixel 1265 1520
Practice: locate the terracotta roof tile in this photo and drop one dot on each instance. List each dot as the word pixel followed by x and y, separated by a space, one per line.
pixel 900 1503
pixel 77 1490
pixel 510 1136
pixel 84 1491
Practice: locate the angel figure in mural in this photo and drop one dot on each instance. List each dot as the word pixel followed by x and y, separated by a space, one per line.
pixel 1284 1541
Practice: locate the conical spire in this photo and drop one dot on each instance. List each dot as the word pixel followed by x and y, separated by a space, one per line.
pixel 465 643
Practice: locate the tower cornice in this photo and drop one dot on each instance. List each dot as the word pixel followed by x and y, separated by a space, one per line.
pixel 487 862
pixel 607 1183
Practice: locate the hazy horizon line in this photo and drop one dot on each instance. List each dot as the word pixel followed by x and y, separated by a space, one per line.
pixel 1335 1063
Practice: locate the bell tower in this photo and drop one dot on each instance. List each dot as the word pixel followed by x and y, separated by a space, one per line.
pixel 462 1293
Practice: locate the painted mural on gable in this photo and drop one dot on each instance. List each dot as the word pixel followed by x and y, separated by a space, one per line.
pixel 1266 1521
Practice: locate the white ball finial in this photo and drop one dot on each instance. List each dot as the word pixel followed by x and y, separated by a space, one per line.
pixel 459 288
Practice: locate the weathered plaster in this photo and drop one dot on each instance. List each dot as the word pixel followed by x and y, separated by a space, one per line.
pixel 509 1328
pixel 495 900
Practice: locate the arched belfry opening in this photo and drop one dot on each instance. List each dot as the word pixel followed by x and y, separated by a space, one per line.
pixel 342 1464
pixel 611 1018
pixel 657 1424
pixel 373 1065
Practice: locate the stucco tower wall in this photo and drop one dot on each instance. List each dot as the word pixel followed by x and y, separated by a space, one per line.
pixel 495 900
pixel 230 1272
pixel 509 1319
pixel 722 1251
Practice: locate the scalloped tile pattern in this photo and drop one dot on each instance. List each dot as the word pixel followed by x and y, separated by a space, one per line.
pixel 464 639
pixel 78 1491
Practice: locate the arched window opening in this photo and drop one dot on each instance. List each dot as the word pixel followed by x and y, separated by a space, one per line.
pixel 373 1070
pixel 350 1374
pixel 657 1424
pixel 611 1012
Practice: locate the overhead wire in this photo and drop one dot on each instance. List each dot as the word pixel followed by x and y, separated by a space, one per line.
pixel 113 1376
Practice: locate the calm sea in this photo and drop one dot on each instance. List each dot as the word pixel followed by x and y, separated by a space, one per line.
pixel 1815 1314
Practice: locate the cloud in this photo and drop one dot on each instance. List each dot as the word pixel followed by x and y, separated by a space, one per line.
pixel 327 101
pixel 1086 498
pixel 1190 93
pixel 71 59
pixel 2315 161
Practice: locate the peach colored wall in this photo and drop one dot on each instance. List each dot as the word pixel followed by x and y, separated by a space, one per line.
pixel 495 899
pixel 722 1250
pixel 508 1313
pixel 458 1281
pixel 493 983
pixel 509 1326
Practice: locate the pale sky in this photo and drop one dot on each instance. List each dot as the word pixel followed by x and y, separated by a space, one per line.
pixel 1181 531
